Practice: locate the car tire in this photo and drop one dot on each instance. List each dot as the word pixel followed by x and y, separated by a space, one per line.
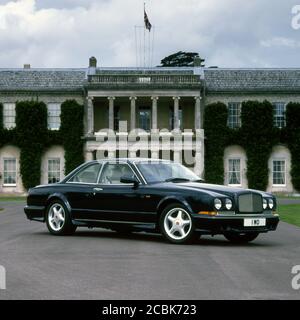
pixel 58 219
pixel 240 238
pixel 177 225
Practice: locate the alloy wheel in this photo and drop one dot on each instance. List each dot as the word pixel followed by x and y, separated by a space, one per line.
pixel 177 224
pixel 56 217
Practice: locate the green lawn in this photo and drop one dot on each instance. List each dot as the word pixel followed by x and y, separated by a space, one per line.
pixel 290 213
pixel 12 198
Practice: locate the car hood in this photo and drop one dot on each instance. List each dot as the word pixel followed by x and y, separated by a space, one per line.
pixel 220 189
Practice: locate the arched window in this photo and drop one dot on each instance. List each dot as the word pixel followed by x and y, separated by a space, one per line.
pixel 235 166
pixel 10 169
pixel 53 165
pixel 279 170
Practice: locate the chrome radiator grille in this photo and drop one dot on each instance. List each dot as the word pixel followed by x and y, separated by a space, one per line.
pixel 250 203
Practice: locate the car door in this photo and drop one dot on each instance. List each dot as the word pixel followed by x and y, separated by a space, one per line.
pixel 80 191
pixel 113 200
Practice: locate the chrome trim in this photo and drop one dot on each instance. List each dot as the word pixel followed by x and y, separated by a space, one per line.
pixel 113 221
pixel 88 164
pixel 139 171
pixel 117 184
pixel 86 183
pixel 100 171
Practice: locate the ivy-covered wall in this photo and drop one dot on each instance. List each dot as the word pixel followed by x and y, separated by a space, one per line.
pixel 216 133
pixel 292 138
pixel 71 133
pixel 32 136
pixel 257 136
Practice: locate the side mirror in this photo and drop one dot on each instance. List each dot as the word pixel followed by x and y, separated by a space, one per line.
pixel 130 180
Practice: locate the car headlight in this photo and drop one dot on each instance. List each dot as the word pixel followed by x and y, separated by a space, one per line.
pixel 218 204
pixel 271 203
pixel 265 204
pixel 228 204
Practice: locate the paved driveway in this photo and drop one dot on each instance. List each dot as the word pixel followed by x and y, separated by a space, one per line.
pixel 99 264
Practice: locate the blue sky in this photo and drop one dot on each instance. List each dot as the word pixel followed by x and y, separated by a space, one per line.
pixel 227 33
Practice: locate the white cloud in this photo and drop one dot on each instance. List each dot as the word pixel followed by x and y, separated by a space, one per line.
pixel 65 33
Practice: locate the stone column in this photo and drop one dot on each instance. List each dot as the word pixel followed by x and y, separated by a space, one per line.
pixel 154 113
pixel 111 113
pixel 111 154
pixel 132 113
pixel 89 155
pixel 176 113
pixel 197 112
pixel 90 115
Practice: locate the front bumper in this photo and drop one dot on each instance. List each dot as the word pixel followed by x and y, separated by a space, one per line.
pixel 36 213
pixel 221 224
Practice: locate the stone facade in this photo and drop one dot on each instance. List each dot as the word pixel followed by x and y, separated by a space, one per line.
pixel 167 103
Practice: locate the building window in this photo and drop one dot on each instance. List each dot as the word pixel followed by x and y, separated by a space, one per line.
pixel 9 115
pixel 234 115
pixel 117 118
pixel 172 118
pixel 54 116
pixel 9 171
pixel 234 171
pixel 145 118
pixel 279 170
pixel 279 114
pixel 53 170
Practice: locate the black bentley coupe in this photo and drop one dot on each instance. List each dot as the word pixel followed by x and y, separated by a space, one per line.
pixel 150 195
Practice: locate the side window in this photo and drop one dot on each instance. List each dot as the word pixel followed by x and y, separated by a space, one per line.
pixel 112 173
pixel 88 174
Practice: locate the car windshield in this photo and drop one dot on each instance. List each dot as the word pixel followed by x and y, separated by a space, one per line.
pixel 156 171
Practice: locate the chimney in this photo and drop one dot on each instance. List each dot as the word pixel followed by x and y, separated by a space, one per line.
pixel 93 62
pixel 27 66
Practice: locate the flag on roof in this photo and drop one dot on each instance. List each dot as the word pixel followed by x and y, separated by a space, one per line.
pixel 148 25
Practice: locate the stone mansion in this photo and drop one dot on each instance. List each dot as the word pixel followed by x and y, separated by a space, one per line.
pixel 168 102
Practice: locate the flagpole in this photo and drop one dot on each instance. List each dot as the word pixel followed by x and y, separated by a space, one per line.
pixel 144 38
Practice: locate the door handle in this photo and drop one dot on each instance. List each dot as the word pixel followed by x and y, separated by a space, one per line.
pixel 97 190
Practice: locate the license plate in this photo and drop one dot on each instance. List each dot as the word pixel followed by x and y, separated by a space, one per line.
pixel 259 222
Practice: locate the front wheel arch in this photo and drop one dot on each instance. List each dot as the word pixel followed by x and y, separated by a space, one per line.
pixel 59 197
pixel 190 235
pixel 67 228
pixel 166 202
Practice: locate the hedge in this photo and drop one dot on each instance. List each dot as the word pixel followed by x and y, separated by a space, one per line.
pixel 72 131
pixel 31 135
pixel 293 140
pixel 216 131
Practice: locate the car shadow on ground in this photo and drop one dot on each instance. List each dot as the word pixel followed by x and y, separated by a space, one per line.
pixel 207 241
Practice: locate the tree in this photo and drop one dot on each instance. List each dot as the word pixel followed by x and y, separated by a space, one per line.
pixel 182 59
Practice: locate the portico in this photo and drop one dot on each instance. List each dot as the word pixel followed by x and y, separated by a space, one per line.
pixel 145 112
